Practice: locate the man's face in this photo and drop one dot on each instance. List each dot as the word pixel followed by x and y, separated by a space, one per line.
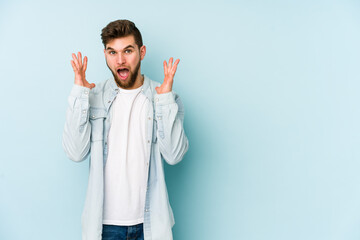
pixel 123 57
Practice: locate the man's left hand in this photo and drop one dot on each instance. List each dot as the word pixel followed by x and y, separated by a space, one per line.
pixel 169 72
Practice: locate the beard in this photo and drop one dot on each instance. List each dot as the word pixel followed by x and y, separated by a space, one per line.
pixel 131 78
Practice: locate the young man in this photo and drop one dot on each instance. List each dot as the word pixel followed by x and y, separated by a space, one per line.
pixel 127 124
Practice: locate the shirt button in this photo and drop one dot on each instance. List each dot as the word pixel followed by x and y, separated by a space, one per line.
pixel 109 101
pixel 86 92
pixel 159 117
pixel 84 111
pixel 93 116
pixel 148 141
pixel 146 210
pixel 149 118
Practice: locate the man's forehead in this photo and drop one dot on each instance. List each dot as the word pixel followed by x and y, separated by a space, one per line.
pixel 121 43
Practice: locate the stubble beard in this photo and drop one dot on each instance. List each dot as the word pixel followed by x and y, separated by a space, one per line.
pixel 133 75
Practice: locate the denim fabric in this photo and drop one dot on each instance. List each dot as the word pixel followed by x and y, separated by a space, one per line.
pixel 113 232
pixel 86 134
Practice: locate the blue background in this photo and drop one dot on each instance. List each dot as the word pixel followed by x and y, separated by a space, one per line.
pixel 271 95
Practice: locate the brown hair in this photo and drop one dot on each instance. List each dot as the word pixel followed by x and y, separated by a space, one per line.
pixel 118 29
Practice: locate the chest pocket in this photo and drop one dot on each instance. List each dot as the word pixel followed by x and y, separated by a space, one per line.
pixel 96 118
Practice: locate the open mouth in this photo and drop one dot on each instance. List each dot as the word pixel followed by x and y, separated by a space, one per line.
pixel 123 73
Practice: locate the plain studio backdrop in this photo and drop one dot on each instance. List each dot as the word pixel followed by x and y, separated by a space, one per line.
pixel 272 113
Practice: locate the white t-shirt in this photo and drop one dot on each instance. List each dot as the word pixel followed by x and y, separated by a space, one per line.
pixel 126 169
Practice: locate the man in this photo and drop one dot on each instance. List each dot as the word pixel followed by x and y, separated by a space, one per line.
pixel 127 124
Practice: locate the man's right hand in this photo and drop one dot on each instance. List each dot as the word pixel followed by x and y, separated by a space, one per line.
pixel 79 68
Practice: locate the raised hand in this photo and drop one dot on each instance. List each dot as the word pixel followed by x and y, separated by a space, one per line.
pixel 79 68
pixel 169 72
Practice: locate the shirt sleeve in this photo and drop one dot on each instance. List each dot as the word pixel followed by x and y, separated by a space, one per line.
pixel 77 129
pixel 169 113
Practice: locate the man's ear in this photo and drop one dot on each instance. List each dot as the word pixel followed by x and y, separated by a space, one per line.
pixel 142 52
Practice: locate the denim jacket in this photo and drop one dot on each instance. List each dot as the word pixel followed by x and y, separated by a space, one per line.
pixel 86 134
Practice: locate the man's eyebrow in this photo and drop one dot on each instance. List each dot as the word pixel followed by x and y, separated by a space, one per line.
pixel 129 46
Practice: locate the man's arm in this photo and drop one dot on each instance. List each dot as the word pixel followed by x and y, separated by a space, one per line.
pixel 76 135
pixel 169 113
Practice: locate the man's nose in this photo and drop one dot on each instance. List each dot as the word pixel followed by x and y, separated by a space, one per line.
pixel 121 59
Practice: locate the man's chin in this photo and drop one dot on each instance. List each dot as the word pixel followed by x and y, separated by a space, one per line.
pixel 126 83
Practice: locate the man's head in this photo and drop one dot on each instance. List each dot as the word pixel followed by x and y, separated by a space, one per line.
pixel 119 29
pixel 124 51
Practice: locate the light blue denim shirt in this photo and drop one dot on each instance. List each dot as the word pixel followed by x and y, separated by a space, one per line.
pixel 86 133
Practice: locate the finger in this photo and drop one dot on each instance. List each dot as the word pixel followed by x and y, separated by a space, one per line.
pixel 173 70
pixel 92 85
pixel 75 61
pixel 170 63
pixel 165 68
pixel 177 61
pixel 85 63
pixel 73 65
pixel 80 59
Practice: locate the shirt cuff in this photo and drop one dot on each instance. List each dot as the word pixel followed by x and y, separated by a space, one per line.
pixel 80 91
pixel 164 98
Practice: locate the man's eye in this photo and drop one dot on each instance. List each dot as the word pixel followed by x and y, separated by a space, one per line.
pixel 112 52
pixel 128 51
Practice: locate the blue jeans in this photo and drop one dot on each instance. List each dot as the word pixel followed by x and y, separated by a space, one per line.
pixel 112 232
